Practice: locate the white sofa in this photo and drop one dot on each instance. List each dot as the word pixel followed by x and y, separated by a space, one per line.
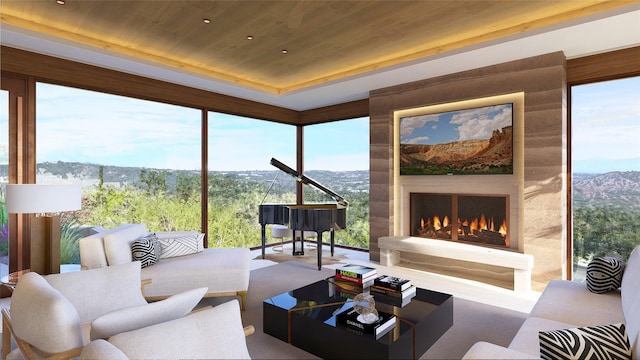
pixel 223 271
pixel 567 305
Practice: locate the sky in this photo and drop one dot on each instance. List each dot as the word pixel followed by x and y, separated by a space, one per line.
pixel 606 126
pixel 83 126
pixel 446 127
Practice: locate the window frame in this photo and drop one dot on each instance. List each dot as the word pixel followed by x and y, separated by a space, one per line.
pixel 614 65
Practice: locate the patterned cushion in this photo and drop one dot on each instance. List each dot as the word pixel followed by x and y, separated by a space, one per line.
pixel 179 246
pixel 595 342
pixel 146 250
pixel 604 274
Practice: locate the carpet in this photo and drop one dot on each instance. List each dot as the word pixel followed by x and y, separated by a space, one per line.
pixel 472 321
pixel 310 257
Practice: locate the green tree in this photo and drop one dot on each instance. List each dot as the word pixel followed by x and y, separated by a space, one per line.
pixel 154 181
pixel 601 231
pixel 187 186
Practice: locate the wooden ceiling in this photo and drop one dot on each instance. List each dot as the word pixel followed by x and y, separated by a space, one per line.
pixel 325 40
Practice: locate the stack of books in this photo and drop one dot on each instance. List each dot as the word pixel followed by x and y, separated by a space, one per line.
pixel 348 317
pixel 392 290
pixel 362 276
pixel 346 289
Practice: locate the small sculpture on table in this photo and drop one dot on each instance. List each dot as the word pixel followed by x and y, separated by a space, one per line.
pixel 365 306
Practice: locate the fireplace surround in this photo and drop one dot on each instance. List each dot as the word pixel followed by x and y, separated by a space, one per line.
pixel 537 189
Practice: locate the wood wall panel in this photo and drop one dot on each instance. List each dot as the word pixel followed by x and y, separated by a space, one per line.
pixel 606 66
pixel 70 73
pixel 349 110
pixel 542 79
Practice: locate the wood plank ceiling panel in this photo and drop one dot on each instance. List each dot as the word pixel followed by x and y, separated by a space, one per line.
pixel 326 40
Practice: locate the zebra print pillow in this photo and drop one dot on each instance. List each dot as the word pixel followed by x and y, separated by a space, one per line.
pixel 604 274
pixel 595 342
pixel 146 250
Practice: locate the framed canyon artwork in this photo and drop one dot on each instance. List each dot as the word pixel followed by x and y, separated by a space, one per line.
pixel 471 141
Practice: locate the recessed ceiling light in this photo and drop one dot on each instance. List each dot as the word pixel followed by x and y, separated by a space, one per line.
pixel 249 37
pixel 60 2
pixel 285 51
pixel 206 21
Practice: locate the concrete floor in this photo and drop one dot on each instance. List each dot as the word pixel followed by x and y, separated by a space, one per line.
pixel 463 288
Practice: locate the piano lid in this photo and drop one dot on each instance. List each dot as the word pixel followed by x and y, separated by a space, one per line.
pixel 306 180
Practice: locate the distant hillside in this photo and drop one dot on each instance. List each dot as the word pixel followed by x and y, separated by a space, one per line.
pixel 88 174
pixel 618 189
pixel 492 155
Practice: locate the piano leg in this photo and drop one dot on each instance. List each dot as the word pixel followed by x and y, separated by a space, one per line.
pixel 264 238
pixel 319 250
pixel 333 237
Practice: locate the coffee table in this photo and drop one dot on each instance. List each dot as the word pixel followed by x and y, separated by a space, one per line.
pixel 305 318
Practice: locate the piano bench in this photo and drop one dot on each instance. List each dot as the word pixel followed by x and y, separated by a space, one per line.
pixel 281 231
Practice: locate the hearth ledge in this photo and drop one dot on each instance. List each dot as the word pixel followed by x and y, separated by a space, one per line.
pixel 522 264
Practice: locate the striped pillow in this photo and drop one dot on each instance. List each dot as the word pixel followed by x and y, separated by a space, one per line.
pixel 146 250
pixel 604 274
pixel 180 246
pixel 595 342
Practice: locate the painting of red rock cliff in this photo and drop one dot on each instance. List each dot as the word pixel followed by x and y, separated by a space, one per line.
pixel 461 142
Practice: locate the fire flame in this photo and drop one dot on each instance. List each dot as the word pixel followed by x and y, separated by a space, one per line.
pixel 503 228
pixel 476 225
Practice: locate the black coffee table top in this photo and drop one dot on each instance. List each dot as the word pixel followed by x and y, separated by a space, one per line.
pixel 305 318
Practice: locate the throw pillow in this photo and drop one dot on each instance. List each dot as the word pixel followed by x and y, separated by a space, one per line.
pixel 157 249
pixel 179 246
pixel 117 244
pixel 594 342
pixel 146 250
pixel 137 317
pixel 604 274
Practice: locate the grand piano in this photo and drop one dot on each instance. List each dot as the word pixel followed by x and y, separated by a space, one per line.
pixel 310 217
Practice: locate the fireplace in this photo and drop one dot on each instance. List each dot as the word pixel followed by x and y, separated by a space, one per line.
pixel 471 218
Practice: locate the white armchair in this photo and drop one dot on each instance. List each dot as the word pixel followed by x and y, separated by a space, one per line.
pixel 213 333
pixel 55 316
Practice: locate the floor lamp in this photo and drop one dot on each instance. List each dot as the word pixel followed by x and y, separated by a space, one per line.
pixel 47 201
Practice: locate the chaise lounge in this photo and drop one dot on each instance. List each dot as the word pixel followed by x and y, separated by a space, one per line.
pixel 224 271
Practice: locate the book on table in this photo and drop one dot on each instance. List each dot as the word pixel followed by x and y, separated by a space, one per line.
pixel 392 282
pixel 349 288
pixel 364 282
pixel 348 317
pixel 409 292
pixel 355 271
pixel 399 301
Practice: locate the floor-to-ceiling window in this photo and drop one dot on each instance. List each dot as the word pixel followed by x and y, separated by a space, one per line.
pixel 241 176
pixel 4 180
pixel 605 123
pixel 137 161
pixel 336 155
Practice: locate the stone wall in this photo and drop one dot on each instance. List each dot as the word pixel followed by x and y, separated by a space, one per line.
pixel 542 79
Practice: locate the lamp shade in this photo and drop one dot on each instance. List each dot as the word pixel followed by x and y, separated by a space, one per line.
pixel 36 199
